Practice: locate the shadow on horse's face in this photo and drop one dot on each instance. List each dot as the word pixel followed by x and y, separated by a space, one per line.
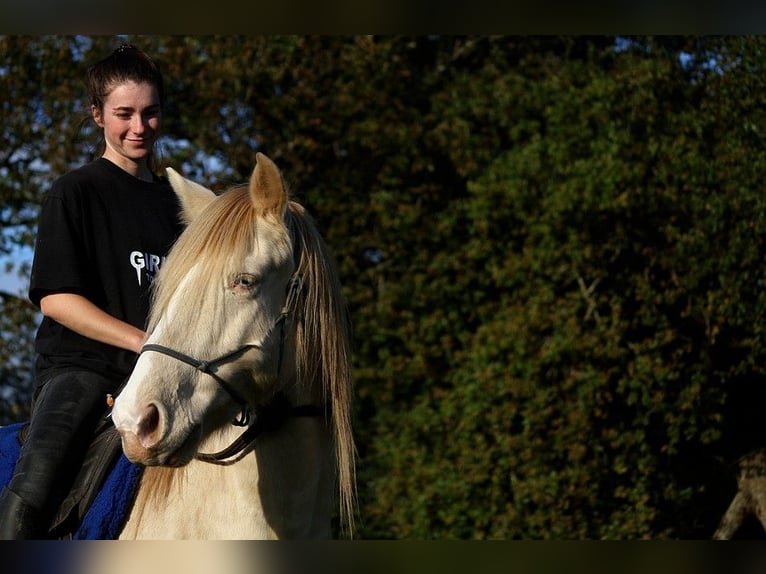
pixel 215 333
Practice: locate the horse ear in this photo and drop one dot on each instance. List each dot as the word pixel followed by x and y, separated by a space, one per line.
pixel 266 189
pixel 193 196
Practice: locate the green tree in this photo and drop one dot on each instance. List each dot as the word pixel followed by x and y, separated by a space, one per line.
pixel 610 262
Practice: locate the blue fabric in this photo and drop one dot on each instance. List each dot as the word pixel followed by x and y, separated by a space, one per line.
pixel 9 451
pixel 106 516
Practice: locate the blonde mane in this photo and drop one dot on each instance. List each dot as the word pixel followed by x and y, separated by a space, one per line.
pixel 226 230
pixel 323 345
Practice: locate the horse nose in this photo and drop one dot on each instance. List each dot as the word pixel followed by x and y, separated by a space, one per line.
pixel 140 430
pixel 149 426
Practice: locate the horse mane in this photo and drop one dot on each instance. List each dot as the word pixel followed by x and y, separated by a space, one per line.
pixel 323 344
pixel 323 331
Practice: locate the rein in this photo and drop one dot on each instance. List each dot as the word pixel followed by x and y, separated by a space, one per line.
pixel 268 417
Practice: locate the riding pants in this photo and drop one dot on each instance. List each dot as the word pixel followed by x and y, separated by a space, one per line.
pixel 66 408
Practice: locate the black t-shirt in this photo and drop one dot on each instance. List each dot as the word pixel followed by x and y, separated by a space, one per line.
pixel 103 234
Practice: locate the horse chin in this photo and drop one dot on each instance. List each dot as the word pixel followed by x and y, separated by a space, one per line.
pixel 163 453
pixel 184 454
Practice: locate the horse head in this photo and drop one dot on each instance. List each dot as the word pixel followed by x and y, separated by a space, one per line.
pixel 218 320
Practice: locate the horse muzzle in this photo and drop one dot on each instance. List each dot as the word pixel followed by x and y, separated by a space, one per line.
pixel 145 439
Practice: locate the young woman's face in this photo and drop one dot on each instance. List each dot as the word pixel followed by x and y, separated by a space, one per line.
pixel 131 119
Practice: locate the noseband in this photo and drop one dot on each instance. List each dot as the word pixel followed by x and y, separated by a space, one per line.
pixel 267 417
pixel 210 368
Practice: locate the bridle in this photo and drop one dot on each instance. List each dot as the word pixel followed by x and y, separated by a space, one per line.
pixel 267 417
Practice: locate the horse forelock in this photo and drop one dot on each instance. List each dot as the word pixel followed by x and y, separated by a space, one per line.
pixel 225 231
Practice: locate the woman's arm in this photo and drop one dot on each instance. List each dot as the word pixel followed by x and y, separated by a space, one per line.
pixel 81 316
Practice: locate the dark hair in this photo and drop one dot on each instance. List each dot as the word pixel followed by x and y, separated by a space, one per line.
pixel 126 63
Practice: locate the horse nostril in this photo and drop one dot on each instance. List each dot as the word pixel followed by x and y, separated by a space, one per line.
pixel 149 425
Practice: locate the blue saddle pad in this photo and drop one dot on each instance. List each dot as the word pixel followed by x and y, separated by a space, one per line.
pixel 107 514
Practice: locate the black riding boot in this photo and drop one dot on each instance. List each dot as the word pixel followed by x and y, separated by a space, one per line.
pixel 19 520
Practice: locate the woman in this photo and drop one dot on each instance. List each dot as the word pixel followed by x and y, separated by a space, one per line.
pixel 103 233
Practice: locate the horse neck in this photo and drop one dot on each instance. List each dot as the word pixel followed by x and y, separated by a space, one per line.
pixel 282 489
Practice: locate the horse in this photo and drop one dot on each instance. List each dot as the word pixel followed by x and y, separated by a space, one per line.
pixel 239 406
pixel 750 498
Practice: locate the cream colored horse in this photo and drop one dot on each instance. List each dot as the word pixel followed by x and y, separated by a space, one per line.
pixel 247 313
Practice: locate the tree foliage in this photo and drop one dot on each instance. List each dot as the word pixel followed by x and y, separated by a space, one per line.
pixel 552 250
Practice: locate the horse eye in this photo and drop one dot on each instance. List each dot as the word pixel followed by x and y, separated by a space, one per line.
pixel 244 282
